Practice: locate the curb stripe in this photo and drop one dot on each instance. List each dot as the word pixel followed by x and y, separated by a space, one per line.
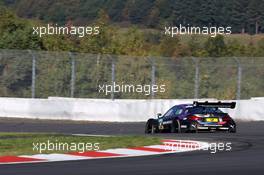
pixel 95 154
pixel 180 146
pixel 129 152
pixel 167 146
pixel 179 141
pixel 55 157
pixel 6 159
pixel 150 149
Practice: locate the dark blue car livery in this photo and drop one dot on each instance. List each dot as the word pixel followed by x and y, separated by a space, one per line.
pixel 199 116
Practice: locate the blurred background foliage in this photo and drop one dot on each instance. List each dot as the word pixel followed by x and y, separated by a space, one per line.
pixel 133 28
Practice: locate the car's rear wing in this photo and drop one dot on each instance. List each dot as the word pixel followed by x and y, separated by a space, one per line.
pixel 219 104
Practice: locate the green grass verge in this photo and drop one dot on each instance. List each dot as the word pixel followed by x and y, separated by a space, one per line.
pixel 22 143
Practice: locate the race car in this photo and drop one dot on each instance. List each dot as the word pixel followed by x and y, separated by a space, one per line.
pixel 199 116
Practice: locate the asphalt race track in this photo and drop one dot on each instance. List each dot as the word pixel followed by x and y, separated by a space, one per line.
pixel 246 156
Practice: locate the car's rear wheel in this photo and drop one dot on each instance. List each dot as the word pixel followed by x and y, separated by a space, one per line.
pixel 232 129
pixel 175 126
pixel 193 128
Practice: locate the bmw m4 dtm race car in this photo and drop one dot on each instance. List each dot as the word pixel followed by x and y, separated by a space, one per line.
pixel 199 116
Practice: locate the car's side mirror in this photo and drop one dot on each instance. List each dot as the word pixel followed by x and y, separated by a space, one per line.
pixel 159 115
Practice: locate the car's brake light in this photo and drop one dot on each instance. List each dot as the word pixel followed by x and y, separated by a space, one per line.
pixel 194 117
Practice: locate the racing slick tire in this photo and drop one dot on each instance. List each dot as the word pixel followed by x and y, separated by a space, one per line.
pixel 151 126
pixel 196 128
pixel 193 128
pixel 175 126
pixel 232 130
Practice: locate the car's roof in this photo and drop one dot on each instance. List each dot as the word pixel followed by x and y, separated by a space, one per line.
pixel 185 105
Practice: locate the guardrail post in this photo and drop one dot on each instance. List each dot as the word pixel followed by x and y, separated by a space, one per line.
pixel 239 79
pixel 196 79
pixel 153 77
pixel 113 78
pixel 72 74
pixel 33 75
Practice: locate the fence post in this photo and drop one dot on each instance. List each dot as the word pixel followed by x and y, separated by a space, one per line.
pixel 239 79
pixel 33 75
pixel 196 79
pixel 153 78
pixel 72 74
pixel 113 78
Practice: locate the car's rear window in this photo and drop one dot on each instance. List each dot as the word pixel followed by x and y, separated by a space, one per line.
pixel 204 110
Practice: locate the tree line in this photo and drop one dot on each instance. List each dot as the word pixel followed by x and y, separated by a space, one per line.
pixel 16 33
pixel 242 15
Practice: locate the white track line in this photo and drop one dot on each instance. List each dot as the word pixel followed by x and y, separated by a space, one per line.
pixel 129 152
pixel 57 157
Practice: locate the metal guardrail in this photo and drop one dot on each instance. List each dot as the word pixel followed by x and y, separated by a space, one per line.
pixel 39 74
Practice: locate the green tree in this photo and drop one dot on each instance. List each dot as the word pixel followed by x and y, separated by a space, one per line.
pixel 215 47
pixel 16 33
